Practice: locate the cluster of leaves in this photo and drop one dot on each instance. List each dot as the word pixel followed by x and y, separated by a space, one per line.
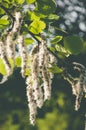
pixel 38 16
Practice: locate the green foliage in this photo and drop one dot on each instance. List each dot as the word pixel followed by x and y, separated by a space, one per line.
pixel 18 61
pixel 2 68
pixel 62 50
pixel 74 44
pixel 19 1
pixel 4 22
pixel 37 26
pixel 30 1
pixel 84 48
pixel 28 41
pixel 53 122
pixel 56 39
pixel 56 69
pixel 46 6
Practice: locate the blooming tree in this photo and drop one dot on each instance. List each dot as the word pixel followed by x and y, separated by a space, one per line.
pixel 28 40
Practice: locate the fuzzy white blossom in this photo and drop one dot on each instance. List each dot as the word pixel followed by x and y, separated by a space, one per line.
pixel 17 22
pixel 23 54
pixel 5 61
pixel 40 80
pixel 31 102
pixel 78 85
pixel 10 46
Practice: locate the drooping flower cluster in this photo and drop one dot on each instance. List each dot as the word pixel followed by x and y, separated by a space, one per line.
pixel 40 79
pixel 23 54
pixel 78 85
pixel 7 46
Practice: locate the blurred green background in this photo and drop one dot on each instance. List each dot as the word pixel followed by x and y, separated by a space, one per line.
pixel 58 113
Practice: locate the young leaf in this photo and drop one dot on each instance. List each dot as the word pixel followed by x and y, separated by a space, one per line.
pixel 74 44
pixel 53 17
pixel 56 39
pixel 2 68
pixel 27 72
pixel 4 22
pixel 18 61
pixel 37 26
pixel 56 69
pixel 28 41
pixel 62 50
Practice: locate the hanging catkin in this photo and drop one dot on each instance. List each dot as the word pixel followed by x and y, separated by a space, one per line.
pixel 78 85
pixel 40 79
pixel 23 54
pixel 5 61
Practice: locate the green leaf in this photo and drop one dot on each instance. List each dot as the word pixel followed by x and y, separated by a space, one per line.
pixel 33 16
pixel 19 1
pixel 2 11
pixel 9 1
pixel 56 69
pixel 2 68
pixel 27 72
pixel 62 50
pixel 53 17
pixel 56 39
pixel 46 6
pixel 4 22
pixel 30 1
pixel 28 41
pixel 37 26
pixel 18 61
pixel 84 47
pixel 74 44
pixel 60 29
pixel 11 61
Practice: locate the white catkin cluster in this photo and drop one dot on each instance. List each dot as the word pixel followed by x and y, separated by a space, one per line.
pixel 78 85
pixel 7 46
pixel 40 80
pixel 23 54
pixel 79 88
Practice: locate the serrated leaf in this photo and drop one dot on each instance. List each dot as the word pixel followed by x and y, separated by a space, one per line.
pixel 28 41
pixel 18 61
pixel 2 68
pixel 56 69
pixel 37 26
pixel 74 44
pixel 4 22
pixel 30 1
pixel 56 39
pixel 19 1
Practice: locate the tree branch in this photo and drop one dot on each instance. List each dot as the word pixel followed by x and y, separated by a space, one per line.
pixel 11 16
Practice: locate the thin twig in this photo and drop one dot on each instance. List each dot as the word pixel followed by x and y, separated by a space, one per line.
pixel 6 10
pixel 40 42
pixel 11 16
